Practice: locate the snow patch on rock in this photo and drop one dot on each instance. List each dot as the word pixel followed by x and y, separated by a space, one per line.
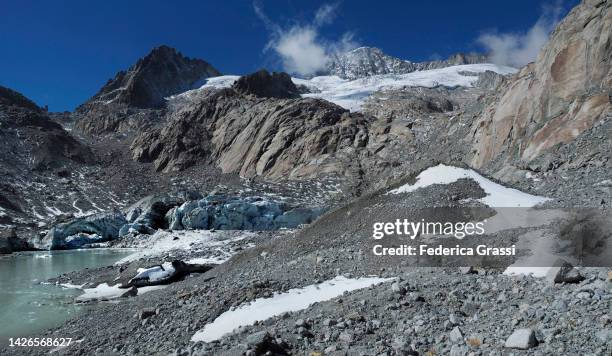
pixel 497 194
pixel 292 300
pixel 104 291
pixel 163 242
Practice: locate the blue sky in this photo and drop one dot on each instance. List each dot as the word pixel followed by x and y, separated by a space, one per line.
pixel 59 53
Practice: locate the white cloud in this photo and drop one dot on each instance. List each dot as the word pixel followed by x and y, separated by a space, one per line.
pixel 300 47
pixel 325 14
pixel 300 51
pixel 518 49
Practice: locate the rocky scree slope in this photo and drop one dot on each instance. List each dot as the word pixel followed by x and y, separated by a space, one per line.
pixel 37 154
pixel 29 132
pixel 424 310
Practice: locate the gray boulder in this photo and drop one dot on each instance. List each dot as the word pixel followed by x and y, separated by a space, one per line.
pixel 456 335
pixel 135 228
pixel 522 339
pixel 563 272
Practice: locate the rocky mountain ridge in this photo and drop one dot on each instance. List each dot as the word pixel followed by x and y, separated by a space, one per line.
pixel 253 135
pixel 135 98
pixel 161 73
pixel 367 61
pixel 215 162
pixel 262 128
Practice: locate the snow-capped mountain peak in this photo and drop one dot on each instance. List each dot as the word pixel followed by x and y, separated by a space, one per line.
pixel 368 61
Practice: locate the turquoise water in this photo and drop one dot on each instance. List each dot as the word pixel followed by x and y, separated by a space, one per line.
pixel 27 306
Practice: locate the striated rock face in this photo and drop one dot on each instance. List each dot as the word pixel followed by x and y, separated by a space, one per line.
pixel 161 73
pixel 367 61
pixel 253 136
pixel 551 102
pixel 266 85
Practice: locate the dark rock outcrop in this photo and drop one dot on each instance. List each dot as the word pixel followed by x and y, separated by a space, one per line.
pixel 267 85
pixel 151 210
pixel 9 242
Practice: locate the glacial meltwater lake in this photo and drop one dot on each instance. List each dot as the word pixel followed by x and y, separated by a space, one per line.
pixel 28 306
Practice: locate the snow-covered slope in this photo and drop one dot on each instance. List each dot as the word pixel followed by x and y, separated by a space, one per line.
pixel 351 94
pixel 497 195
pixel 292 300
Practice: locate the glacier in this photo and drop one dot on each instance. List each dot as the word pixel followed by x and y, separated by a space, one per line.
pixel 352 94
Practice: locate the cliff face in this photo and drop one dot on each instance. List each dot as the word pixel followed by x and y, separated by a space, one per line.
pixel 551 102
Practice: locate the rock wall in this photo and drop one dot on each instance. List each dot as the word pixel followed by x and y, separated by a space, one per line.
pixel 552 101
pixel 255 136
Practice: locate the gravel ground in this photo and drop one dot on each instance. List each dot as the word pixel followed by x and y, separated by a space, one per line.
pixel 432 311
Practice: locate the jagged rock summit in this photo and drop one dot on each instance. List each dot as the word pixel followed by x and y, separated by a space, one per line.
pixel 161 73
pixel 367 61
pixel 136 98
